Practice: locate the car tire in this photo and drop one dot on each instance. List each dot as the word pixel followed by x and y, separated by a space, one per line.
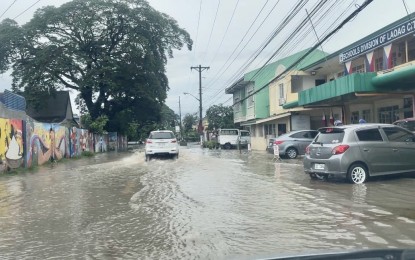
pixel 291 153
pixel 357 173
pixel 227 146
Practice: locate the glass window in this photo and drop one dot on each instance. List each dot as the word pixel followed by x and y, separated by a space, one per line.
pixel 366 115
pixel 354 118
pixel 228 132
pixel 395 134
pixel 269 129
pixel 281 90
pixel 330 136
pixel 388 115
pixel 369 135
pixel 300 135
pixel 161 135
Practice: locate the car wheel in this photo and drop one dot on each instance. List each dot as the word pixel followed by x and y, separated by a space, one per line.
pixel 227 146
pixel 357 173
pixel 292 153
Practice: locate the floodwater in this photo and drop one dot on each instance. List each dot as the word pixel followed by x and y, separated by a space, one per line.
pixel 208 204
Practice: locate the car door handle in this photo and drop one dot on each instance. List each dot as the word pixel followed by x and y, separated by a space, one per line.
pixel 365 150
pixel 395 150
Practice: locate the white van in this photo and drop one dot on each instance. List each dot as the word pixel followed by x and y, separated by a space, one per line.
pixel 228 138
pixel 245 137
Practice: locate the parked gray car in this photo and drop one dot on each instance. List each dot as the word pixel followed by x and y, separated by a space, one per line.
pixel 359 151
pixel 294 143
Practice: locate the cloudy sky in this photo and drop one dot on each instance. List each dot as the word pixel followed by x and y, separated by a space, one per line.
pixel 235 36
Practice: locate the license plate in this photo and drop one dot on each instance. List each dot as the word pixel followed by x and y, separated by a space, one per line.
pixel 319 166
pixel 161 144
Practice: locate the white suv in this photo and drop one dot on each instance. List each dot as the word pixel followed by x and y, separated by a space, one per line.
pixel 161 142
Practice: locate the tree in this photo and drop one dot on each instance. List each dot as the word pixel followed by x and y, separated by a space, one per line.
pixel 189 120
pixel 112 51
pixel 220 116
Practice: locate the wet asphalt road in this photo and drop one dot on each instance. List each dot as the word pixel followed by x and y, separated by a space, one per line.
pixel 208 204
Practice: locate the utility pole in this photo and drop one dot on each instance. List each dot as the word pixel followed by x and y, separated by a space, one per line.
pixel 200 69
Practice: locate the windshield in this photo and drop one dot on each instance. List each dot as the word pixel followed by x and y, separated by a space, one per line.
pixel 243 133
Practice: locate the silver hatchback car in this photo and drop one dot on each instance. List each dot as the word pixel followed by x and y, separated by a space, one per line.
pixel 359 151
pixel 294 143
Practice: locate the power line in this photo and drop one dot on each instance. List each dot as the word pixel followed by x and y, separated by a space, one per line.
pixel 275 32
pixel 7 9
pixel 26 9
pixel 221 69
pixel 213 26
pixel 197 30
pixel 351 16
pixel 226 31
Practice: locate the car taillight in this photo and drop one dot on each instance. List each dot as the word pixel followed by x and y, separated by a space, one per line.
pixel 149 142
pixel 174 141
pixel 307 150
pixel 278 142
pixel 340 149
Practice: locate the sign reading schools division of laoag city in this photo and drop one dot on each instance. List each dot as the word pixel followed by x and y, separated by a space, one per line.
pixel 384 38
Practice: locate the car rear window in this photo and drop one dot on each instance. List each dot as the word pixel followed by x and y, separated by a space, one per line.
pixel 228 132
pixel 161 135
pixel 330 136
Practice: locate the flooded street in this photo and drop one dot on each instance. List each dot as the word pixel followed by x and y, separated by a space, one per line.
pixel 208 204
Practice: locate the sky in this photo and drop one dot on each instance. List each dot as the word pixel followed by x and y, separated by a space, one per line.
pixel 229 34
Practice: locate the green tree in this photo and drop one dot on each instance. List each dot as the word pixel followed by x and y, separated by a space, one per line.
pixel 220 116
pixel 112 51
pixel 189 120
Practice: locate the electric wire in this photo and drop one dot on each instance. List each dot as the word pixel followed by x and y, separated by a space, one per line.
pixel 292 13
pixel 226 32
pixel 321 15
pixel 27 9
pixel 211 31
pixel 351 16
pixel 7 9
pixel 279 28
pixel 240 42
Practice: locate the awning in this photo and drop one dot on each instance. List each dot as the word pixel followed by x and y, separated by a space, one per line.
pixel 396 79
pixel 273 117
pixel 247 123
pixel 290 104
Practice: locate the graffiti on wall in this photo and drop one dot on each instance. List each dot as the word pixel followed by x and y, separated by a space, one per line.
pixel 112 141
pixel 100 143
pixel 48 142
pixel 11 143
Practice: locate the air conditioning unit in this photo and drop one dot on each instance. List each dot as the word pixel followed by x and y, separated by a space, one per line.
pixel 281 101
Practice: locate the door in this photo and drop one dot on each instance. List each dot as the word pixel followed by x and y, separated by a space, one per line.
pixel 376 152
pixel 403 145
pixel 302 140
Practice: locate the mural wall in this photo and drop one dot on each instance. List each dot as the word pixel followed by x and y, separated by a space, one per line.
pixel 27 143
pixel 11 143
pixel 47 142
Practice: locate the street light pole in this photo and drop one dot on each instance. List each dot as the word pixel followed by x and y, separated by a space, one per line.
pixel 200 69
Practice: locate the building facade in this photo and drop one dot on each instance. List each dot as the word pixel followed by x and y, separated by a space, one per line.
pixel 372 79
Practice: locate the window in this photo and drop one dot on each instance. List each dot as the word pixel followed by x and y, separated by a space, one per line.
pixel 300 135
pixel 369 135
pixel 407 108
pixel 161 135
pixel 269 129
pixel 358 69
pixel 366 115
pixel 388 115
pixel 319 82
pixel 395 134
pixel 281 90
pixel 330 136
pixel 379 64
pixel 229 132
pixel 354 118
